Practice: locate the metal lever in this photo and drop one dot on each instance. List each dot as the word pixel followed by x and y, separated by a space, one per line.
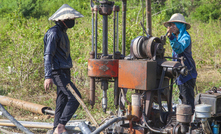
pixel 148 36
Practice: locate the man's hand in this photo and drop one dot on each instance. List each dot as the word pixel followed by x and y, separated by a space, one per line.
pixel 47 84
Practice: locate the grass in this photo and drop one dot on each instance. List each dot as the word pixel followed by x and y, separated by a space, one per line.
pixel 21 45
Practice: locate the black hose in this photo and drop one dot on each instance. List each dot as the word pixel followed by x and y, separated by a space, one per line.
pixel 151 129
pixel 15 122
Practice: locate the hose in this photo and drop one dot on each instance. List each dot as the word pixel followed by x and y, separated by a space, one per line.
pixel 151 129
pixel 102 127
pixel 15 122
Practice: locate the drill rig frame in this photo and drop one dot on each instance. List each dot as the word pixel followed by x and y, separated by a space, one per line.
pixel 146 71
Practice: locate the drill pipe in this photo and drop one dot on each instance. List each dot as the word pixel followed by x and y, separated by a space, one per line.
pixel 92 85
pixel 35 108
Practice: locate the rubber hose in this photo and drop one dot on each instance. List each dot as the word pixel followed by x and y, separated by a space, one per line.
pixel 108 123
pixel 154 130
pixel 14 121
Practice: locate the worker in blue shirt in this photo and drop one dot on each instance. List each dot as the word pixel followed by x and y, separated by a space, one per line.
pixel 181 44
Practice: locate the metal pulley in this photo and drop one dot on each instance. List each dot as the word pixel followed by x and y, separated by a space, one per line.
pixel 138 47
pixel 144 47
pixel 154 47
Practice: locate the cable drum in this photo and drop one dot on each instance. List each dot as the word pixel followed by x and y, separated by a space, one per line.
pixel 144 47
pixel 135 47
pixel 150 46
pixel 138 47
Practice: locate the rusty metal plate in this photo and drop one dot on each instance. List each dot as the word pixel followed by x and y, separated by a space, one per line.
pixel 137 74
pixel 103 68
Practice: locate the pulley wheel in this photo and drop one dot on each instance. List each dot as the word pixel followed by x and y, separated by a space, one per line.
pixel 138 48
pixel 150 46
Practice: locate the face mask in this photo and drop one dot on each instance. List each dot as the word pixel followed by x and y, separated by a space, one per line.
pixel 69 23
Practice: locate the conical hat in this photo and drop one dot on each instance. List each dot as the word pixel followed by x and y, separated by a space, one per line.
pixel 177 17
pixel 65 12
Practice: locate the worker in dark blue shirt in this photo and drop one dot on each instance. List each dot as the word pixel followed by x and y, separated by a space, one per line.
pixel 57 63
pixel 181 44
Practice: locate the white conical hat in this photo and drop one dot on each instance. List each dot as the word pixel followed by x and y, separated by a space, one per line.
pixel 177 17
pixel 65 12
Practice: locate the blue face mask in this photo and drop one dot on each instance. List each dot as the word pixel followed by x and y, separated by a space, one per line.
pixel 69 23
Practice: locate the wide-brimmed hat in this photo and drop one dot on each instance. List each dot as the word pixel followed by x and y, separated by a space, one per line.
pixel 65 12
pixel 177 17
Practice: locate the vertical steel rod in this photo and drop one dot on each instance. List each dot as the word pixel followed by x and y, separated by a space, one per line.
pixel 92 86
pixel 114 9
pixel 124 27
pixel 148 16
pixel 92 92
pixel 105 35
pixel 170 96
pixel 104 87
pixel 92 29
pixel 116 93
pixel 117 31
pixel 96 8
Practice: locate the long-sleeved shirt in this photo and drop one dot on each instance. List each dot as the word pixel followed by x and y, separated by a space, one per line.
pixel 56 50
pixel 182 47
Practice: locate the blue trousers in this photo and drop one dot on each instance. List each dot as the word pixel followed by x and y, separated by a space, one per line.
pixel 66 103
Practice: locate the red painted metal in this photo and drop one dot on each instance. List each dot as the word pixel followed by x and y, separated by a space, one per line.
pixel 105 68
pixel 137 74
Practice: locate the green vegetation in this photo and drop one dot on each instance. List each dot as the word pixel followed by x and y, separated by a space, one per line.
pixel 24 23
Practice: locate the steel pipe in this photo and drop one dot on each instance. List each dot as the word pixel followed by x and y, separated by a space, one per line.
pixel 104 87
pixel 92 85
pixel 14 121
pixel 117 31
pixel 124 27
pixel 96 8
pixel 105 35
pixel 32 107
pixel 114 40
pixel 148 16
pixel 84 128
pixel 116 93
pixel 92 28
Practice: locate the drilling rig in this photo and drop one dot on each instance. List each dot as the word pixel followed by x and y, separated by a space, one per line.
pixel 150 75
